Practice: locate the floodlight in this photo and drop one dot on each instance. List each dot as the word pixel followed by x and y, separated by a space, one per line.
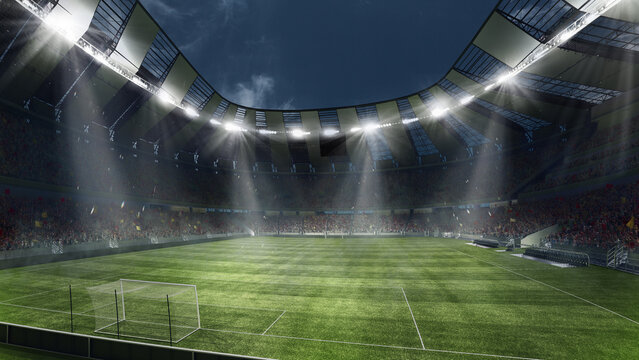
pixel 215 122
pixel 507 77
pixel 298 133
pixel 233 127
pixel 566 35
pixel 331 132
pixel 408 121
pixel 356 129
pixel 439 112
pixel 60 25
pixel 164 96
pixel 467 100
pixel 191 112
pixel 137 81
pixel 370 127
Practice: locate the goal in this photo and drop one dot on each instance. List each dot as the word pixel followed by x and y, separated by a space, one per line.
pixel 146 310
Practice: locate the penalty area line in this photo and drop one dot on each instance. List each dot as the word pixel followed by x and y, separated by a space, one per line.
pixel 276 320
pixel 372 345
pixel 552 287
pixel 304 339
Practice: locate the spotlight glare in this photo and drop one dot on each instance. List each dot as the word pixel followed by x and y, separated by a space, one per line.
pixel 137 81
pixel 233 127
pixel 439 112
pixel 266 132
pixel 191 112
pixel 567 35
pixel 60 25
pixel 370 127
pixel 490 87
pixel 331 132
pixel 467 100
pixel 164 96
pixel 215 122
pixel 356 129
pixel 298 133
pixel 408 121
pixel 507 77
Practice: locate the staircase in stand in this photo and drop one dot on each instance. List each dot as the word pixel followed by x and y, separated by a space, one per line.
pixel 617 256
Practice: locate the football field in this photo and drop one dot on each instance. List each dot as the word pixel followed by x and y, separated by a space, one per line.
pixel 399 298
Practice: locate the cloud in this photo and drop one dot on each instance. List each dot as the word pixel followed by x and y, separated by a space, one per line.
pixel 254 93
pixel 287 105
pixel 228 8
pixel 161 9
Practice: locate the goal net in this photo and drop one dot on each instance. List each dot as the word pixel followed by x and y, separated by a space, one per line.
pixel 146 310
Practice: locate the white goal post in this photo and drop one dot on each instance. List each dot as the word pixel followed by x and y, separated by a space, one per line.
pixel 149 310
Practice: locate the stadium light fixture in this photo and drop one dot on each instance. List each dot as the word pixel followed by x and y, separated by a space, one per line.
pixel 370 127
pixel 191 112
pixel 266 132
pixel 467 100
pixel 591 10
pixel 62 26
pixel 299 133
pixel 230 127
pixel 439 112
pixel 330 132
pixel 164 96
pixel 139 82
pixel 408 121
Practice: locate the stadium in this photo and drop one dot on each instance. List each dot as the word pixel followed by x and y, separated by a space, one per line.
pixel 492 214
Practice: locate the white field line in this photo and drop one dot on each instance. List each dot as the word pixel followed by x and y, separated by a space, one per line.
pixel 36 294
pixel 84 284
pixel 276 320
pixel 180 292
pixel 92 309
pixel 373 345
pixel 414 321
pixel 552 287
pixel 306 339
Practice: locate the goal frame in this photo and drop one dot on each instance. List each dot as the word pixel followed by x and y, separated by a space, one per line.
pixel 123 317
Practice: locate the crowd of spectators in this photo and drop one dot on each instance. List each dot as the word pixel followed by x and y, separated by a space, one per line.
pixel 41 221
pixel 610 151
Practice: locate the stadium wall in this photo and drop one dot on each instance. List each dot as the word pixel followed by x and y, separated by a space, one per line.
pixel 92 347
pixel 34 256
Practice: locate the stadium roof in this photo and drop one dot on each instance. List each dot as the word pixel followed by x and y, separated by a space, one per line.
pixel 107 64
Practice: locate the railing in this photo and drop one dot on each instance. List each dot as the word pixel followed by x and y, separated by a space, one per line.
pixel 562 256
pixel 93 347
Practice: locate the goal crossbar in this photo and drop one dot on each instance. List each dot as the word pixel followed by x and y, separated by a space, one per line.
pixel 146 310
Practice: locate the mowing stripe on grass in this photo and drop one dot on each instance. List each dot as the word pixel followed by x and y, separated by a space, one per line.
pixel 35 294
pixel 552 287
pixel 373 345
pixel 276 320
pixel 414 321
pixel 307 339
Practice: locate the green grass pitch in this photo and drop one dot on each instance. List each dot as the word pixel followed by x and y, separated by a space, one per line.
pixel 402 298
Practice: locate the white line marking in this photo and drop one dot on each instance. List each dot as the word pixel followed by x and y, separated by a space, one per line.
pixel 552 287
pixel 373 345
pixel 36 294
pixel 307 339
pixel 276 320
pixel 414 321
pixel 93 309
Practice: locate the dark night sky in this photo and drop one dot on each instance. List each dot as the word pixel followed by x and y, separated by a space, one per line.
pixel 300 54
